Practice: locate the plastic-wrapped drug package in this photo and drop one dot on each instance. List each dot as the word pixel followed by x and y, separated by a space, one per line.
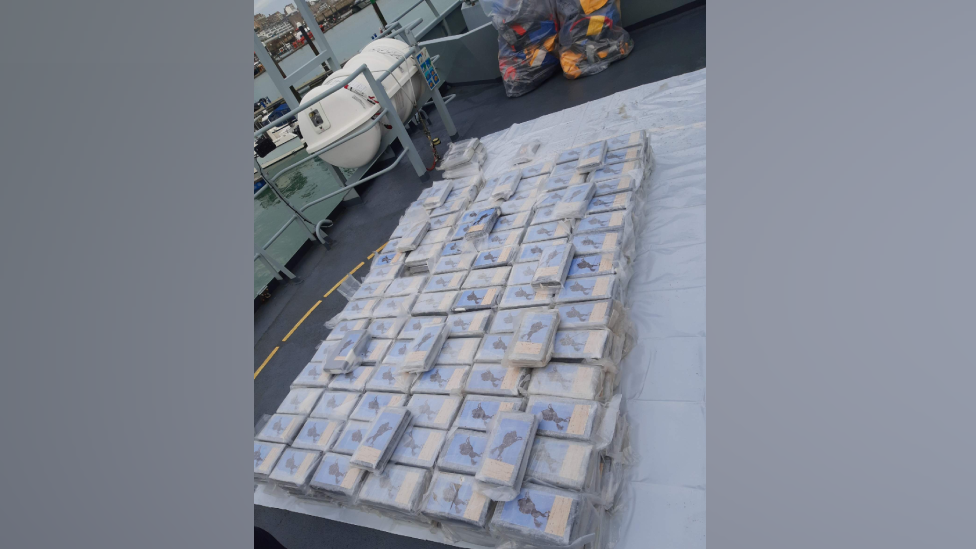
pixel 563 168
pixel 582 345
pixel 626 140
pixel 337 333
pixel 423 254
pixel 531 253
pixel 300 401
pixel 522 272
pixel 459 152
pixel 503 186
pixel 352 434
pixel 477 411
pixel 512 207
pixel 508 222
pixel 548 231
pixel 438 303
pixel 482 224
pixel 567 380
pixel 524 296
pixel 531 344
pixel 583 266
pixel 443 380
pixel 375 351
pixel 560 181
pixel 335 405
pixel 446 221
pixel 536 169
pixel 463 451
pixel 483 278
pixel 347 353
pixel 587 289
pixel 528 188
pixel 294 469
pixel 419 447
pixel 633 154
pixel 443 282
pixel 543 215
pixel 504 322
pixel 570 155
pixel 476 299
pixel 281 428
pixel 466 193
pixel 496 257
pixel 438 193
pixel 386 378
pixel 591 157
pixel 358 310
pixel 354 380
pixel 603 222
pixel 381 438
pixel 454 263
pixel 423 351
pixel 371 404
pixel 381 273
pixel 390 246
pixel 474 324
pixel 496 380
pixel 373 289
pixel 458 351
pixel 433 411
pixel 438 236
pixel 484 195
pixel 394 357
pixel 312 375
pixel 510 437
pixel 505 238
pixel 539 516
pixel 553 266
pixel 611 186
pixel 549 199
pixel 493 348
pixel 398 488
pixel 564 417
pixel 336 479
pixel 406 286
pixel 561 463
pixel 449 208
pixel 411 237
pixel 591 243
pixel 391 307
pixel 386 328
pixel 590 314
pixel 527 151
pixel 266 454
pixel 318 434
pixel 614 171
pixel 453 498
pixel 382 260
pixel 468 181
pixel 611 202
pixel 573 205
pixel 413 327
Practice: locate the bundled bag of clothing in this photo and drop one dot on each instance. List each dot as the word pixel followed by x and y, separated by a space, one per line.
pixel 527 42
pixel 591 36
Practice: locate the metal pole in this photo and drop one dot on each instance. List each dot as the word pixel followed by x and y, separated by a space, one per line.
pixel 379 13
pixel 445 115
pixel 277 79
pixel 317 34
pixel 401 132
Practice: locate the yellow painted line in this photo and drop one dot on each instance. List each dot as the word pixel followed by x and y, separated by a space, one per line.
pixel 263 364
pixel 370 256
pixel 295 327
pixel 383 246
pixel 336 286
pixel 361 263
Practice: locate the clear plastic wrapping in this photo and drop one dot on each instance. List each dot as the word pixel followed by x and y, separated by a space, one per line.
pixel 493 348
pixel 454 498
pixel 359 310
pixel 412 328
pixel 381 439
pixel 445 221
pixel 443 282
pixel 504 322
pixel 390 307
pixel 479 226
pixel 294 469
pixel 626 182
pixel 476 299
pixel 503 186
pixel 335 405
pixel 312 375
pixel 454 263
pixel 438 303
pixel 531 344
pixel 372 402
pixel 574 202
pixel 626 140
pixel 458 351
pixel 406 285
pixel 352 434
pixel 459 152
pixel 463 451
pixel 392 258
pixel 591 36
pixel 560 379
pixel 495 379
pixel 484 278
pixel 266 455
pixel 591 157
pixel 633 154
pixel 553 266
pixel 527 151
pixel 539 516
pixel 398 488
pixel 523 271
pixel 449 207
pixel 379 273
pixel 443 380
pixel 419 447
pixel 499 239
pixel 424 349
pixel 436 236
pixel 424 254
pixel 591 346
pixel 466 193
pixel 477 411
pixel 614 171
pixel 514 221
pixel 569 155
pixel 468 325
pixel 371 290
pixel 281 428
pixel 565 417
pixel 604 222
pixel 536 170
pixel 335 479
pixel 300 401
pixel 338 331
pixel 347 353
pixel 524 296
pixel 583 266
pixel 526 43
pixel 354 380
pixel 438 194
pixel 433 411
pixel 590 243
pixel 411 237
pixel 548 231
pixel 386 378
pixel 386 328
pixel 394 357
pixel 318 434
pixel 560 463
pixel 495 257
pixel 589 288
pixel 512 207
pixel 510 437
pixel 590 314
pixel 549 199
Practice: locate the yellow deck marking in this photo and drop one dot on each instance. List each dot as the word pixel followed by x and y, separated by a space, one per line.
pixel 370 256
pixel 383 246
pixel 258 371
pixel 295 327
pixel 361 263
pixel 336 286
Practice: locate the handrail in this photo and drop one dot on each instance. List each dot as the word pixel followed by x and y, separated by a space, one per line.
pixel 436 13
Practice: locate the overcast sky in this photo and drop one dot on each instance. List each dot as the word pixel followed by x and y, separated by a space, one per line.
pixel 268 7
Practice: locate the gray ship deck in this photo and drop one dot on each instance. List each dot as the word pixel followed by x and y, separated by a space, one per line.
pixel 289 325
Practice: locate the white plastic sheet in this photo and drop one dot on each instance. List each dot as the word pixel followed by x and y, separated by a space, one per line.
pixel 663 377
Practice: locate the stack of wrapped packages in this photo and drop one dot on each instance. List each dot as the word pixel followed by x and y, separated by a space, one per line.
pixel 591 36
pixel 526 42
pixel 470 383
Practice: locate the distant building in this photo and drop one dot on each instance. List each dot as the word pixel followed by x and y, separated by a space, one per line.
pixel 259 20
pixel 290 9
pixel 295 20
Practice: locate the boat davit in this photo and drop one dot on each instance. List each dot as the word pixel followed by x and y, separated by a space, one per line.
pixel 350 109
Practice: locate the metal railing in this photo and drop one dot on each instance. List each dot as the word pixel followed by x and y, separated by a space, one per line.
pixel 439 18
